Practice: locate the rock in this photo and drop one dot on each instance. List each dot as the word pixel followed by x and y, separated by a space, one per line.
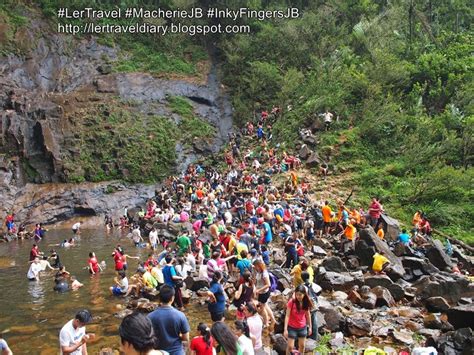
pixel 337 340
pixel 432 321
pixel 378 280
pixel 195 283
pixel 358 327
pixel 104 69
pixel 397 292
pixel 333 318
pixel 122 314
pixel 454 342
pixel 323 243
pixel 368 244
pixel 333 281
pixel 369 299
pixel 449 286
pixel 339 296
pixel 437 304
pixel 310 345
pixel 438 257
pixel 304 152
pixel 462 316
pixel 334 263
pixel 403 337
pixel 414 263
pixel 152 295
pixel 384 297
pixel 354 296
pixel 413 326
pixel 352 263
pixel 106 84
pixel 313 161
pixel 318 251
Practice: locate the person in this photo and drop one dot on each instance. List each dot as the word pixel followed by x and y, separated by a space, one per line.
pixel 244 341
pixel 313 296
pixel 298 269
pixel 216 295
pixel 184 244
pixel 203 344
pixel 153 238
pixel 290 249
pixel 255 324
pixel 34 270
pixel 327 119
pixel 327 213
pixel 350 234
pixel 375 210
pixel 404 238
pixel 137 336
pixel 4 348
pixel 55 260
pixel 263 292
pixel 72 337
pixel 298 320
pixel 226 339
pixel 171 278
pixel 121 284
pixel 76 228
pixel 171 324
pixel 380 262
pixel 381 233
pixel 75 283
pixel 137 236
pixel 244 263
pixel 93 264
pixel 244 294
pixel 35 252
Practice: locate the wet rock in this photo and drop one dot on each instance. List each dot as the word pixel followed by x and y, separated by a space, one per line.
pixel 334 263
pixel 462 316
pixel 358 326
pixel 437 304
pixel 454 342
pixel 438 257
pixel 404 337
pixel 368 244
pixel 384 297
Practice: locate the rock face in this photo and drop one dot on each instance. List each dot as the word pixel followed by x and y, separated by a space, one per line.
pixel 369 244
pixel 438 257
pixel 455 342
pixel 449 286
pixel 437 304
pixel 462 316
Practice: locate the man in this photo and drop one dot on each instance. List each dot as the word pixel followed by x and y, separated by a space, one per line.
pixel 76 228
pixel 171 324
pixel 375 210
pixel 35 252
pixel 153 237
pixel 328 119
pixel 327 215
pixel 184 244
pixel 380 263
pixel 35 268
pixel 73 338
pixel 137 236
pixel 404 238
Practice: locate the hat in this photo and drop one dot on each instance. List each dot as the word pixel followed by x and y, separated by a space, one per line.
pixel 253 252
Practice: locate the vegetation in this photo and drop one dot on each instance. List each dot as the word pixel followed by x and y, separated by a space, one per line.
pixel 399 75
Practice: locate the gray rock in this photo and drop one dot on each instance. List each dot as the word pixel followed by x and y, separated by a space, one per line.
pixel 449 286
pixel 384 297
pixel 333 318
pixel 333 281
pixel 454 342
pixel 378 280
pixel 358 327
pixel 313 161
pixel 334 263
pixel 304 152
pixel 462 316
pixel 437 304
pixel 438 256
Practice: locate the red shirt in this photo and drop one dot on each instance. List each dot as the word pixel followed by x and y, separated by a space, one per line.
pixel 34 253
pixel 118 261
pixel 200 347
pixel 95 264
pixel 375 209
pixel 297 318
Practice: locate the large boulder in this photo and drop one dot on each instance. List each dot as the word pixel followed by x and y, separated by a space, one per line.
pixel 462 316
pixel 438 257
pixel 437 304
pixel 369 243
pixel 358 327
pixel 304 152
pixel 451 287
pixel 378 280
pixel 334 263
pixel 454 342
pixel 334 281
pixel 384 297
pixel 333 318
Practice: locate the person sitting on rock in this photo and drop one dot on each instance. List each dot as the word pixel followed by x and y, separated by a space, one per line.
pixel 404 238
pixel 380 263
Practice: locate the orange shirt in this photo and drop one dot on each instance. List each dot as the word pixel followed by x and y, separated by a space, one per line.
pixel 326 210
pixel 355 215
pixel 381 233
pixel 350 232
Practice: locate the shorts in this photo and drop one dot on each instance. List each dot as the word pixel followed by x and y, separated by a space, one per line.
pixel 75 231
pixel 294 333
pixel 117 291
pixel 326 224
pixel 263 297
pixel 217 316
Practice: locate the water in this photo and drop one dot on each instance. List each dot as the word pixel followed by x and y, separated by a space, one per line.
pixel 33 313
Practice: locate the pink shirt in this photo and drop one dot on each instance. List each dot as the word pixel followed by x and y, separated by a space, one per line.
pixel 297 318
pixel 375 209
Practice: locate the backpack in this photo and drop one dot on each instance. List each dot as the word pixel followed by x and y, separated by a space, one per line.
pixel 273 282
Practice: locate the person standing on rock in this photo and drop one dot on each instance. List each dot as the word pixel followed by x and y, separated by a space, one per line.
pixel 375 210
pixel 298 320
pixel 327 215
pixel 262 290
pixel 171 324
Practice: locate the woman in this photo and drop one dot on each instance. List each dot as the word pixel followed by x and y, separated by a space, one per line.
pixel 216 295
pixel 202 344
pixel 298 319
pixel 137 336
pixel 244 340
pixel 244 294
pixel 93 264
pixel 262 286
pixel 226 339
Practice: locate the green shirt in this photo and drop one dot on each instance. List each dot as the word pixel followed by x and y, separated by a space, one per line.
pixel 183 243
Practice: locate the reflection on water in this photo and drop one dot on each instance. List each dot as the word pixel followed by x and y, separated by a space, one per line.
pixel 34 313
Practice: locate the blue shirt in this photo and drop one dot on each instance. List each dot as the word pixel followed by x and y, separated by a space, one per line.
pixel 268 232
pixel 404 238
pixel 168 273
pixel 218 291
pixel 244 265
pixel 168 323
pixel 266 257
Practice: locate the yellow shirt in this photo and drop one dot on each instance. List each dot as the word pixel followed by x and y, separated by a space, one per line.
pixel 297 280
pixel 379 260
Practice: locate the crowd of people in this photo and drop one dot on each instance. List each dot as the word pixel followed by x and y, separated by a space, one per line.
pixel 228 222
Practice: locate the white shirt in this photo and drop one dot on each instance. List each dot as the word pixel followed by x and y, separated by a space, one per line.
pixel 76 225
pixel 255 324
pixel 153 237
pixel 69 336
pixel 328 117
pixel 245 345
pixel 34 270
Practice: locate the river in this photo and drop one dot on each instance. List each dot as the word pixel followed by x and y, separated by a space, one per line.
pixel 32 313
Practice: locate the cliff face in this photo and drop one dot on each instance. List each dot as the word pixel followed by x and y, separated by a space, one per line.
pixel 67 117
